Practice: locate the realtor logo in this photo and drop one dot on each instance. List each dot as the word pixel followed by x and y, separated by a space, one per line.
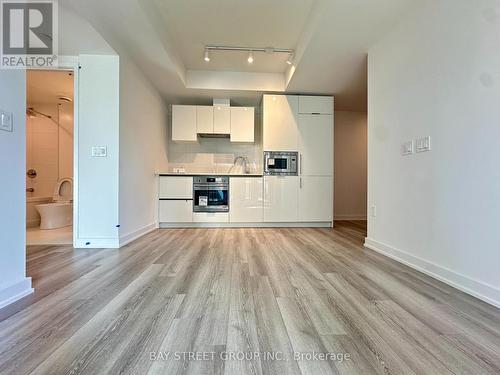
pixel 29 34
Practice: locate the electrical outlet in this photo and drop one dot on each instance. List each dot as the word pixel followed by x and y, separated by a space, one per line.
pixel 424 144
pixel 407 148
pixel 99 151
pixel 6 122
pixel 373 211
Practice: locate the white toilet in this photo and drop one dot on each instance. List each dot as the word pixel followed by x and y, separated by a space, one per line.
pixel 58 214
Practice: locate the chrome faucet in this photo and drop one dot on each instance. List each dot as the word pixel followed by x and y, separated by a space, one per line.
pixel 246 168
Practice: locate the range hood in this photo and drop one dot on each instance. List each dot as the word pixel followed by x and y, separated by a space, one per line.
pixel 217 103
pixel 213 135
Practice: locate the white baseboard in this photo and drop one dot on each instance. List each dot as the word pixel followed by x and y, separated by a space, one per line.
pixel 483 291
pixel 15 292
pixel 126 239
pixel 350 217
pixel 97 243
pixel 247 225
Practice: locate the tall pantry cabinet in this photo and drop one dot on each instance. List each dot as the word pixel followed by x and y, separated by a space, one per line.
pixel 304 124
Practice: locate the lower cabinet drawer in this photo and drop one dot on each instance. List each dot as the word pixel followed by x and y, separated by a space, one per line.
pixel 176 211
pixel 211 217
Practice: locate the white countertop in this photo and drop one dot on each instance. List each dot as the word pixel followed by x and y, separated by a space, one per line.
pixel 187 174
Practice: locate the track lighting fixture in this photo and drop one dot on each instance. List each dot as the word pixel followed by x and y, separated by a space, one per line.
pixel 250 50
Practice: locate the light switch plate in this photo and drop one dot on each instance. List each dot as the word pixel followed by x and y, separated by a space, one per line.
pixel 6 122
pixel 407 148
pixel 99 151
pixel 424 144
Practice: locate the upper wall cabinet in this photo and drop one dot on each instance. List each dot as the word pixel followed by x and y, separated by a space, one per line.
pixel 222 119
pixel 190 120
pixel 184 123
pixel 242 124
pixel 280 123
pixel 204 119
pixel 319 105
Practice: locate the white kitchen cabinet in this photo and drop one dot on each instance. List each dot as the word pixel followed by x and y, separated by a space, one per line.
pixel 222 119
pixel 210 217
pixel 246 200
pixel 316 145
pixel 316 105
pixel 280 123
pixel 315 199
pixel 176 211
pixel 204 119
pixel 184 123
pixel 281 198
pixel 242 124
pixel 173 187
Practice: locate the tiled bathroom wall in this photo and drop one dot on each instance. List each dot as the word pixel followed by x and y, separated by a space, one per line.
pixel 42 151
pixel 49 148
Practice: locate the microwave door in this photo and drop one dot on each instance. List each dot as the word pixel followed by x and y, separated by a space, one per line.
pixel 278 164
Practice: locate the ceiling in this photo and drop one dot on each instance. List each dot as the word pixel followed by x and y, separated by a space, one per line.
pixel 257 23
pixel 166 39
pixel 45 87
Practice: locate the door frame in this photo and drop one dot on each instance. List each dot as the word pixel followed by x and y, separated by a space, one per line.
pixel 71 64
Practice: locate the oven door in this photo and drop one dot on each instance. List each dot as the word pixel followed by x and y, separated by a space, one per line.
pixel 210 199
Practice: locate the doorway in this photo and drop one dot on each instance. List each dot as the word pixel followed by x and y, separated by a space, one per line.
pixel 351 167
pixel 49 157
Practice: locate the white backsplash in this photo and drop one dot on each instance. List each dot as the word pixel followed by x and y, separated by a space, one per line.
pixel 214 155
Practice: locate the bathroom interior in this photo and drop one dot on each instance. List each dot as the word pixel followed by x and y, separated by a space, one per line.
pixel 49 157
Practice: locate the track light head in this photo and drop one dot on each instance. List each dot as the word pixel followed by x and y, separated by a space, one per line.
pixel 250 50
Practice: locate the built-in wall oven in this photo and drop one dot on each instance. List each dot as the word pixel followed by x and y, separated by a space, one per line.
pixel 210 194
pixel 280 163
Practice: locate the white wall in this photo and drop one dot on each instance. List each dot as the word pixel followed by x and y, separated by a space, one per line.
pixel 77 36
pixel 350 171
pixel 437 74
pixel 140 135
pixel 143 139
pixel 124 184
pixel 98 177
pixel 13 281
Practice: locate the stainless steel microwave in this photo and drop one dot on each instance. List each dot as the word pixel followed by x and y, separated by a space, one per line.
pixel 280 163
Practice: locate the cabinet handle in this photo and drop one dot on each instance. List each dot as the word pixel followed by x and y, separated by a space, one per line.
pixel 300 182
pixel 300 161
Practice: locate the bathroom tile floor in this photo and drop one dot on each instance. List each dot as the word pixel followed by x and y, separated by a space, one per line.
pixel 61 236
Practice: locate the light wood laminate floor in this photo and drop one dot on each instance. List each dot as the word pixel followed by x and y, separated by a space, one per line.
pixel 223 292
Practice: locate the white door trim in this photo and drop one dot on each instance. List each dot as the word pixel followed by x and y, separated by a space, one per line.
pixel 71 63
